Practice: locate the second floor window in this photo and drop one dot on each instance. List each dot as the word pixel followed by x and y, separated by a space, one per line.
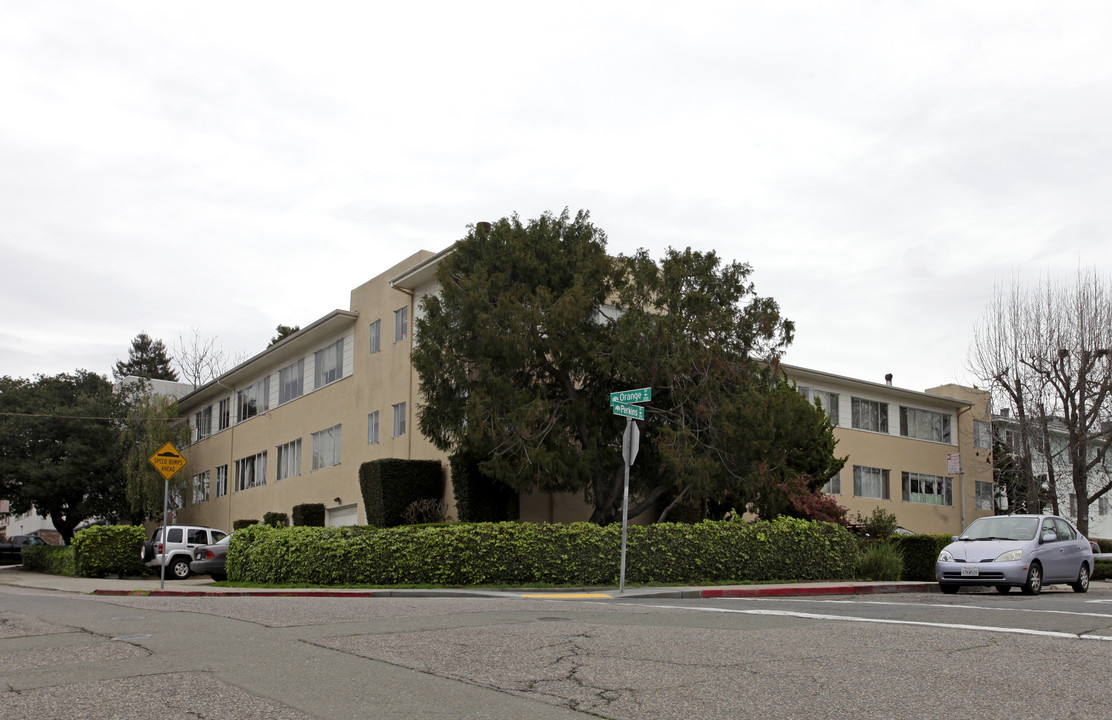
pixel 289 460
pixel 376 336
pixel 924 425
pixel 401 324
pixel 253 399
pixel 251 471
pixel 326 448
pixel 399 420
pixel 225 413
pixel 202 423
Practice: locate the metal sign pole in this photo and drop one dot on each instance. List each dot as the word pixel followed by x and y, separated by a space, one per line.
pixel 165 517
pixel 625 512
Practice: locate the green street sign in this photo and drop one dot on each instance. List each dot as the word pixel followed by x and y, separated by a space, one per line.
pixel 632 396
pixel 630 411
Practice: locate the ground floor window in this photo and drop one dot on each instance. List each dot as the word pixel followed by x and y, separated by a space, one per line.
pixel 833 486
pixel 870 482
pixel 326 448
pixel 927 489
pixel 221 488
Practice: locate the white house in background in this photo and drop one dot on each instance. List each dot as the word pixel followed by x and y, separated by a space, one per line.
pixel 1100 512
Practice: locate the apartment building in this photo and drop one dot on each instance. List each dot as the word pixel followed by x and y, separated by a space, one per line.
pixel 926 456
pixel 294 423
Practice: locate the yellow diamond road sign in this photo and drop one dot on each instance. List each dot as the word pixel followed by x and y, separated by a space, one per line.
pixel 167 460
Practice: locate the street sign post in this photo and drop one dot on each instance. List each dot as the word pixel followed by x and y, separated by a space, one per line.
pixel 621 404
pixel 166 461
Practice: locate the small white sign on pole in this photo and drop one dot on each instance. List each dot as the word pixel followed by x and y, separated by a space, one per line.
pixel 953 464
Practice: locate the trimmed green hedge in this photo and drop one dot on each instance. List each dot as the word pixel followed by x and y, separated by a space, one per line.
pixel 528 553
pixel 111 550
pixel 920 552
pixel 311 514
pixel 388 486
pixel 53 559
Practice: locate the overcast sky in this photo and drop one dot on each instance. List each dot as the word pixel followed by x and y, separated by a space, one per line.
pixel 232 166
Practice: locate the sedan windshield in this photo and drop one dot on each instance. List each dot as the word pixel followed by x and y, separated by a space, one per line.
pixel 1002 528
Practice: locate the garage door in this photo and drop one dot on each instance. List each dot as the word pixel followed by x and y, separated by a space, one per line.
pixel 343 515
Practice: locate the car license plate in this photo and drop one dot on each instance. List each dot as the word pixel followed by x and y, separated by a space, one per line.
pixel 970 572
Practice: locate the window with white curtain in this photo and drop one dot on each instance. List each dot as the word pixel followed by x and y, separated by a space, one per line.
pixel 376 336
pixel 372 428
pixel 924 424
pixel 399 420
pixel 329 364
pixel 289 460
pixel 250 471
pixel 201 487
pixel 401 324
pixel 202 423
pixel 291 382
pixel 871 482
pixel 221 488
pixel 253 399
pixel 869 415
pixel 326 448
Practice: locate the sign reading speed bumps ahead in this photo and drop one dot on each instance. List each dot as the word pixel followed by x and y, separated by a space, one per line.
pixel 167 460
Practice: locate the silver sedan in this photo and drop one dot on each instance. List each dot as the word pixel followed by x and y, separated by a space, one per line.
pixel 1024 551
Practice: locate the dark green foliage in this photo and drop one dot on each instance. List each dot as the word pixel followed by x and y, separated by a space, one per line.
pixel 284 331
pixel 878 524
pixel 389 486
pixel 920 552
pixel 109 550
pixel 536 324
pixel 151 422
pixel 480 498
pixel 53 559
pixel 59 448
pixel 309 514
pixel 243 523
pixel 880 560
pixel 147 358
pixel 528 553
pixel 276 519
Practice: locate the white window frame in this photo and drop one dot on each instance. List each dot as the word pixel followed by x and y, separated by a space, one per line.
pixel 399 419
pixel 288 460
pixel 200 487
pixel 863 473
pixel 401 324
pixel 221 488
pixel 376 336
pixel 253 400
pixel 984 499
pixel 928 425
pixel 328 364
pixel 924 489
pixel 874 412
pixel 250 472
pixel 372 428
pixel 224 414
pixel 327 446
pixel 202 423
pixel 291 382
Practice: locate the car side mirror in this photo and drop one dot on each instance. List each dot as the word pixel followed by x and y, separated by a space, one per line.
pixel 1049 536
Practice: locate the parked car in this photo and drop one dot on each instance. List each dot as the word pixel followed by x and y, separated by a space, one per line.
pixel 11 551
pixel 211 559
pixel 181 541
pixel 1024 551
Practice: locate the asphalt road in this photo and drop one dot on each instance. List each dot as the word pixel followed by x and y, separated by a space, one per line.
pixel 973 655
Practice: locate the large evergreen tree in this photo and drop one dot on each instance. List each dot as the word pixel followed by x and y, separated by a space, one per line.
pixel 59 448
pixel 147 358
pixel 151 421
pixel 535 325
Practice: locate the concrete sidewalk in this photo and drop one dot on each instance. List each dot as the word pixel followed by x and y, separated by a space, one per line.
pixel 201 586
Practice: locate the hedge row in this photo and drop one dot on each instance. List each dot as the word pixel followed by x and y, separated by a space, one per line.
pixel 528 553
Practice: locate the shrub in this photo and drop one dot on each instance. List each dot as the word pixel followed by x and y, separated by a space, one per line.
pixel 478 497
pixel 879 524
pixel 53 559
pixel 276 519
pixel 309 514
pixel 241 524
pixel 920 553
pixel 513 553
pixel 880 561
pixel 389 486
pixel 426 510
pixel 109 550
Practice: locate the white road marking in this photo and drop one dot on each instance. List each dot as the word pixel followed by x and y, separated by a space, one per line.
pixel 882 621
pixel 932 605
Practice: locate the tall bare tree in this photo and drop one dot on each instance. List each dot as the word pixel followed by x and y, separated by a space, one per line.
pixel 200 359
pixel 1046 351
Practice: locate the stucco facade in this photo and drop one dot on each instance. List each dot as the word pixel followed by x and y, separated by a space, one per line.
pixel 293 424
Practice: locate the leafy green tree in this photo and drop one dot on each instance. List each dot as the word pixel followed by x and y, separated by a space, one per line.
pixel 284 331
pixel 59 449
pixel 147 358
pixel 150 422
pixel 535 325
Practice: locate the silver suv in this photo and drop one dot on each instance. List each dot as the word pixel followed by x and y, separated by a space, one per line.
pixel 178 548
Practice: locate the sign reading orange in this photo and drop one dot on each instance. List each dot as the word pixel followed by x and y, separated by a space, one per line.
pixel 167 460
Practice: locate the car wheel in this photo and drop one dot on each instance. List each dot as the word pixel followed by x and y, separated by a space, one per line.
pixel 146 553
pixel 1033 586
pixel 1082 584
pixel 178 569
pixel 1003 589
pixel 948 589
